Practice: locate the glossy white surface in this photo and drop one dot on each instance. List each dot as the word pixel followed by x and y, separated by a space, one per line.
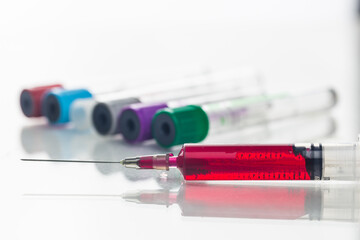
pixel 295 44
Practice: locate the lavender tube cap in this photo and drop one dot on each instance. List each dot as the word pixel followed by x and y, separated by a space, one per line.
pixel 135 121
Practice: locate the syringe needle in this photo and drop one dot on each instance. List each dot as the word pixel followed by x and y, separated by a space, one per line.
pixel 68 160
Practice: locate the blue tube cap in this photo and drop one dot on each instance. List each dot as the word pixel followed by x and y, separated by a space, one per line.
pixel 56 104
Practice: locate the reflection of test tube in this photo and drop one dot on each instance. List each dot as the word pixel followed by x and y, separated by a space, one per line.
pixel 57 142
pixel 31 99
pixel 338 203
pixel 191 124
pixel 107 109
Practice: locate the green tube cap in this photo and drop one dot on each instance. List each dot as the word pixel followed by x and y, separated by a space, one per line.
pixel 175 126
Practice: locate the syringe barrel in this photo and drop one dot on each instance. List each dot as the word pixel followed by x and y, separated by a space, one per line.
pixel 249 162
pixel 269 162
pixel 341 161
pixel 258 162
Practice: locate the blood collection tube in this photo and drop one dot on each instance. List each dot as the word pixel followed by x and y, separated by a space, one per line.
pixel 105 114
pixel 135 119
pixel 31 99
pixel 58 104
pixel 81 109
pixel 51 101
pixel 321 202
pixel 192 123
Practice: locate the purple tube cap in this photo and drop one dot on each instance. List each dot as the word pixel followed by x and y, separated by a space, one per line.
pixel 135 121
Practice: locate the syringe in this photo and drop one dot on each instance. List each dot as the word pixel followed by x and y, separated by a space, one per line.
pixel 254 162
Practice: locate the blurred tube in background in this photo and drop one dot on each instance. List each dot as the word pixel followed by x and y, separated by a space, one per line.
pixel 305 128
pixel 106 111
pixel 31 99
pixel 108 104
pixel 192 123
pixel 56 104
pixel 135 120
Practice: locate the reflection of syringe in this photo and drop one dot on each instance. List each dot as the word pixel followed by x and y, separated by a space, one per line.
pixel 255 162
pixel 324 202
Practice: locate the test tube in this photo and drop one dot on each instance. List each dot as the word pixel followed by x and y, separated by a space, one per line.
pixel 106 111
pixel 31 99
pixel 192 123
pixel 57 104
pixel 135 119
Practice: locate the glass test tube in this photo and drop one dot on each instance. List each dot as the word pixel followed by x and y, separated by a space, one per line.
pixel 106 111
pixel 31 99
pixel 57 104
pixel 135 119
pixel 192 123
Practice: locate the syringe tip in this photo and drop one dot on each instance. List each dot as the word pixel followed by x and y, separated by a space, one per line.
pixel 135 197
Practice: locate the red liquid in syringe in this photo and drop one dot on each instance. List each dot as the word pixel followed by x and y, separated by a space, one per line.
pixel 236 162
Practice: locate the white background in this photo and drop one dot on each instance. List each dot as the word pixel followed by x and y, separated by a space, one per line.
pixel 96 44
